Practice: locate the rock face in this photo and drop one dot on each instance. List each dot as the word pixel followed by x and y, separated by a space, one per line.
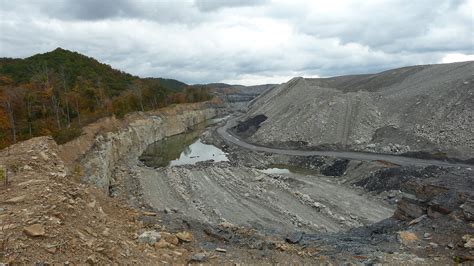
pixel 422 108
pixel 436 198
pixel 122 147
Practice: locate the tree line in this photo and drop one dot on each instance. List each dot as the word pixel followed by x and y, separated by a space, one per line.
pixel 57 99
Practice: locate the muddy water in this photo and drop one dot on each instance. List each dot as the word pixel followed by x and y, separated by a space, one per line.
pixel 183 149
pixel 287 169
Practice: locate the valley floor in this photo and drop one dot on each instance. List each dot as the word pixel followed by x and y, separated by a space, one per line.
pixel 332 210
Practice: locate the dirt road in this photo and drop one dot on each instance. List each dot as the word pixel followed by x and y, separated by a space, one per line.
pixel 361 156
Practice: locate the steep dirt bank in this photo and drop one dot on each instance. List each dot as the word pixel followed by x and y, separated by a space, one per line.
pixel 47 216
pixel 421 108
pixel 112 144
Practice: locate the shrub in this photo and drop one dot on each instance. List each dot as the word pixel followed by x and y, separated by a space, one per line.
pixel 64 135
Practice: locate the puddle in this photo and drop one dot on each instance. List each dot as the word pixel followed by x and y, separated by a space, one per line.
pixel 287 169
pixel 275 171
pixel 199 152
pixel 181 149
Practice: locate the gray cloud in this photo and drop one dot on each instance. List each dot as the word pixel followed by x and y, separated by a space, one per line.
pixel 212 5
pixel 242 41
pixel 92 9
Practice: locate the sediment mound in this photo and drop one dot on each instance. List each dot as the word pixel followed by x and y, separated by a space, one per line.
pixel 421 108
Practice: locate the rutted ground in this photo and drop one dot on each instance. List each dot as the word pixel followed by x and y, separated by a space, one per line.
pixel 245 196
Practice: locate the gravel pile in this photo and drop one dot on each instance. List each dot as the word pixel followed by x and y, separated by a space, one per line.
pixel 420 108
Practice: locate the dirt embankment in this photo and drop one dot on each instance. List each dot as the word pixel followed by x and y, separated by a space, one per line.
pixel 47 216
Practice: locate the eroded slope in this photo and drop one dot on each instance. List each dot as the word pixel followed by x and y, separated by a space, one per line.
pixel 422 108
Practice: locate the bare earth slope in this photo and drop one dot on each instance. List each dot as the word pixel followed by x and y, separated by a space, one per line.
pixel 421 108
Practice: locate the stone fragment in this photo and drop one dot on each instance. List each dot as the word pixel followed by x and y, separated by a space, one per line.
pixel 15 200
pixel 226 225
pixel 468 210
pixel 221 250
pixel 106 232
pixel 43 156
pixel 199 257
pixel 294 237
pixel 163 244
pixel 91 260
pixel 185 236
pixel 409 207
pixel 417 220
pixel 149 237
pixel 170 238
pixel 31 182
pixel 406 237
pixel 34 230
pixel 469 241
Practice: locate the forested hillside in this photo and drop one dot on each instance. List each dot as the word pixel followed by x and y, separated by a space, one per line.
pixel 56 93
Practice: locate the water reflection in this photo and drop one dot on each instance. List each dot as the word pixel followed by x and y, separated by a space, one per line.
pixel 185 148
pixel 275 171
pixel 199 152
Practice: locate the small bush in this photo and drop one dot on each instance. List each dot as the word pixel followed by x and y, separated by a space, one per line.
pixel 64 135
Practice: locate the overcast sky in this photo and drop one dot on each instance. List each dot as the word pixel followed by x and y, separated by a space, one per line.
pixel 243 41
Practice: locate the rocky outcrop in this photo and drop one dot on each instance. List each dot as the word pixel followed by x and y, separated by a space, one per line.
pixel 436 198
pixel 111 151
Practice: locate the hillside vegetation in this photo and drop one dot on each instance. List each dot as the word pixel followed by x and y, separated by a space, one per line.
pixel 56 93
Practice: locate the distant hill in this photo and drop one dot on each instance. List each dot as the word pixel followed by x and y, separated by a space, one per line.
pixel 72 65
pixel 59 91
pixel 171 84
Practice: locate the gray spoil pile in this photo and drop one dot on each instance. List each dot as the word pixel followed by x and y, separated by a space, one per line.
pixel 421 108
pixel 273 203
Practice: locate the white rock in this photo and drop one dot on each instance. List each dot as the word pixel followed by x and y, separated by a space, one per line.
pixel 149 237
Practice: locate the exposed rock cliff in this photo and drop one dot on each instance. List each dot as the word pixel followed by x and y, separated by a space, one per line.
pixel 104 154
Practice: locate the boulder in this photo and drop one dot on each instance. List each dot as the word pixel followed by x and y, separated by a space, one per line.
pixel 409 207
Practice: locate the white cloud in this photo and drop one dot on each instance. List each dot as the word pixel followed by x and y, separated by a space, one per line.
pixel 242 41
pixel 457 57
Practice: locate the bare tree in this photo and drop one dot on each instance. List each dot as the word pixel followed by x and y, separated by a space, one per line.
pixel 7 100
pixel 66 101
